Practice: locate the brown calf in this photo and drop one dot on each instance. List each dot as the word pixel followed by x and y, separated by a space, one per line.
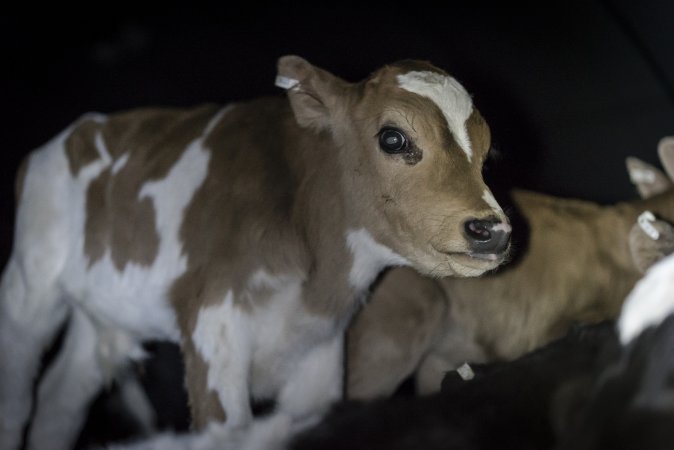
pixel 577 267
pixel 247 234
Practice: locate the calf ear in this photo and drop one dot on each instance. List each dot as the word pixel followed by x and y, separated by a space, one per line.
pixel 648 179
pixel 312 91
pixel 666 153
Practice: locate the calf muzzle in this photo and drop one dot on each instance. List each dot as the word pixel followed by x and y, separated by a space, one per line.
pixel 487 236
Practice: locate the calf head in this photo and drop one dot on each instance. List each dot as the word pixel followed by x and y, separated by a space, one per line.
pixel 410 146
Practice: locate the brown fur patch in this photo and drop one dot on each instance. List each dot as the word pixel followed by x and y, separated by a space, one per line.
pixel 244 206
pixel 109 228
pixel 80 145
pixel 116 218
pixel 96 224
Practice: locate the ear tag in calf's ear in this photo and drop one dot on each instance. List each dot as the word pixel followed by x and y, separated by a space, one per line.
pixel 645 221
pixel 286 82
pixel 465 372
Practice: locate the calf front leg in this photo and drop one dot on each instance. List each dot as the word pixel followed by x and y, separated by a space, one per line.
pixel 314 385
pixel 217 366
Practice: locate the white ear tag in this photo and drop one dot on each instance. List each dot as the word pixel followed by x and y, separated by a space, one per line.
pixel 286 82
pixel 465 372
pixel 645 221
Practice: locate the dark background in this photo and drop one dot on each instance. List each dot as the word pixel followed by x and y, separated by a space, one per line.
pixel 570 88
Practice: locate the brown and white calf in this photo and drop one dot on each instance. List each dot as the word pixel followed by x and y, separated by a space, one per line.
pixel 248 234
pixel 580 262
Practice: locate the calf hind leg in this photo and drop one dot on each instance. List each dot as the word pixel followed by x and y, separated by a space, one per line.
pixel 31 304
pixel 90 357
pixel 29 318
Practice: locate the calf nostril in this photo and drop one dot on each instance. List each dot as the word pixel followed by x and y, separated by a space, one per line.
pixel 479 230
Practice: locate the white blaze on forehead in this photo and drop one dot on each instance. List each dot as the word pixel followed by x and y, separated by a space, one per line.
pixel 452 99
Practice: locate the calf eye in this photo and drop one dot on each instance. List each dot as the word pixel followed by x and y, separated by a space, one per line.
pixel 392 140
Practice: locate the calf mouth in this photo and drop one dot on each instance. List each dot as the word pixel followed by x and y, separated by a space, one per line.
pixel 473 264
pixel 478 259
pixel 447 262
pixel 485 256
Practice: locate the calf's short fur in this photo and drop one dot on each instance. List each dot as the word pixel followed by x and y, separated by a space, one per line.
pixel 248 234
pixel 580 261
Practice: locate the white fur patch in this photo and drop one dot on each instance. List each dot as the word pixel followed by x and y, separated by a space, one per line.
pixel 316 380
pixel 448 94
pixel 260 350
pixel 284 330
pixel 211 336
pixel 40 216
pixel 221 337
pixel 491 201
pixel 650 302
pixel 369 258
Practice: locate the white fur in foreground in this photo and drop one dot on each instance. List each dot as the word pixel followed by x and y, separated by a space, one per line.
pixel 650 302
